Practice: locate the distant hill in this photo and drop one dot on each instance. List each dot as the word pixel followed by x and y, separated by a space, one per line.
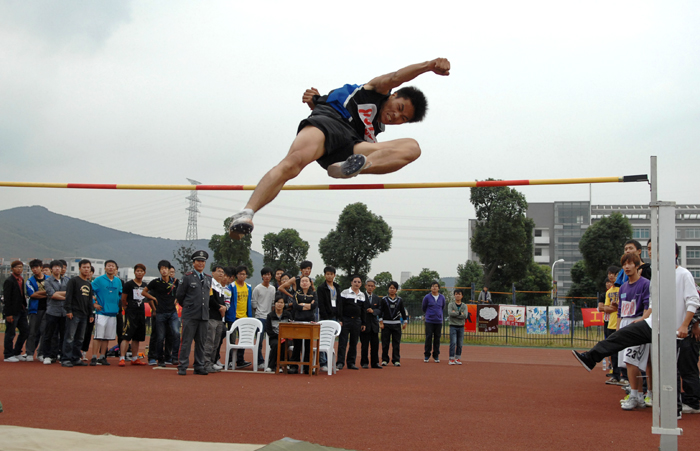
pixel 36 232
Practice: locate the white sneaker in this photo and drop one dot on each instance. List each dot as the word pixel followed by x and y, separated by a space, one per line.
pixel 349 168
pixel 268 370
pixel 688 409
pixel 218 367
pixel 647 401
pixel 47 360
pixel 12 359
pixel 22 358
pixel 451 362
pixel 241 224
pixel 40 358
pixel 30 358
pixel 633 403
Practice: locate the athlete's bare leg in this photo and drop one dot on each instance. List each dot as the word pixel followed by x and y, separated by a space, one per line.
pixel 389 156
pixel 307 147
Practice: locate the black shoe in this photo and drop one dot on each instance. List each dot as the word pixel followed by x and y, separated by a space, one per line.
pixel 103 361
pixel 79 363
pixel 201 372
pixel 365 366
pixel 161 364
pixel 352 367
pixel 378 367
pixel 181 372
pixel 584 359
pixel 67 364
pixel 292 371
pixel 339 366
pixel 93 361
pixel 242 365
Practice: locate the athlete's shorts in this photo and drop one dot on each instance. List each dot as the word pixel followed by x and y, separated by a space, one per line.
pixel 340 136
pixel 634 355
pixel 134 326
pixel 105 327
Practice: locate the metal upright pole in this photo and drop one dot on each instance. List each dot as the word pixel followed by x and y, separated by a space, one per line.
pixel 663 305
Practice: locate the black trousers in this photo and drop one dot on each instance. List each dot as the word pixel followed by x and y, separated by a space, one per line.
pixel 19 321
pixel 687 358
pixel 54 325
pixel 688 370
pixel 432 340
pixel 349 332
pixel 367 355
pixel 391 333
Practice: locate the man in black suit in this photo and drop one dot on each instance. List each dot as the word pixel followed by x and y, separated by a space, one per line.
pixel 370 336
pixel 15 313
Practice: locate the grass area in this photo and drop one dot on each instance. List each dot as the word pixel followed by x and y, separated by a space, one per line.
pixel 584 337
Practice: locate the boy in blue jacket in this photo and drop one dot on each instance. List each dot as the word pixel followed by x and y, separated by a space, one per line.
pixel 433 306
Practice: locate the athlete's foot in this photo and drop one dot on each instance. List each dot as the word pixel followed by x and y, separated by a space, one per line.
pixel 349 168
pixel 241 224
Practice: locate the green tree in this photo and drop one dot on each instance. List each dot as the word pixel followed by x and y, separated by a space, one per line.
pixel 285 250
pixel 583 285
pixel 182 256
pixel 358 238
pixel 383 279
pixel 468 273
pixel 602 245
pixel 415 288
pixel 537 278
pixel 228 252
pixel 503 234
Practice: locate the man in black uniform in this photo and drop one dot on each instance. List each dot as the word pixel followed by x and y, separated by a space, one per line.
pixel 343 128
pixel 193 295
pixel 370 336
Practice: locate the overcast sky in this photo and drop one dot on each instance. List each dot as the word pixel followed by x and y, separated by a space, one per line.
pixel 161 91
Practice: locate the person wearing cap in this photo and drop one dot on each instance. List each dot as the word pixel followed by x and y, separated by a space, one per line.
pixel 193 295
pixel 15 313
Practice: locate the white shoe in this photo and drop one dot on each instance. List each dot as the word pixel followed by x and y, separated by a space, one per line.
pixel 268 370
pixel 349 168
pixel 47 360
pixel 218 367
pixel 241 224
pixel 12 359
pixel 40 358
pixel 30 358
pixel 688 409
pixel 22 358
pixel 633 403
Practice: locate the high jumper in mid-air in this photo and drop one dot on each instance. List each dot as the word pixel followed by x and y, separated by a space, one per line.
pixel 340 134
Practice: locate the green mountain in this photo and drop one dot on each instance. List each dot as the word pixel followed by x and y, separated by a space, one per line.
pixel 36 232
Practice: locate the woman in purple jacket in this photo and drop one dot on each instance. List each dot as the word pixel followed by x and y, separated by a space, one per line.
pixel 433 306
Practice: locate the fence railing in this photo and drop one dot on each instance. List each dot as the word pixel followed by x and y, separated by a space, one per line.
pixel 579 336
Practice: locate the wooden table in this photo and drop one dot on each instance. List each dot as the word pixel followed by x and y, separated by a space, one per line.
pixel 305 331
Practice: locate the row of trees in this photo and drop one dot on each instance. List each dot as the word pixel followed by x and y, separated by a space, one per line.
pixel 502 239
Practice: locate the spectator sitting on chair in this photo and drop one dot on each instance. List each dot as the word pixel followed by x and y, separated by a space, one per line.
pixel 240 307
pixel 272 329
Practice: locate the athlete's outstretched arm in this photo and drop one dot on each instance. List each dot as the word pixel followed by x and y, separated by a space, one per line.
pixel 385 83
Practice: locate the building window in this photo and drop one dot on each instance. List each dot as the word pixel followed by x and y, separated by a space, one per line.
pixel 678 233
pixel 645 253
pixel 692 233
pixel 538 252
pixel 538 232
pixel 695 272
pixel 692 252
pixel 641 233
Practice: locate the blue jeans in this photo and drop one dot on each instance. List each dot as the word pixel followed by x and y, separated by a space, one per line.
pixel 456 339
pixel 172 322
pixel 73 338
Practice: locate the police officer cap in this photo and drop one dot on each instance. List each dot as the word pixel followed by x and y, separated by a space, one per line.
pixel 200 255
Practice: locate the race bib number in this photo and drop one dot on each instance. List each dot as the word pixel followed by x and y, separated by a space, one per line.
pixel 628 308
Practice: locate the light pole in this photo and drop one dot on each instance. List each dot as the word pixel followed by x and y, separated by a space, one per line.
pixel 554 264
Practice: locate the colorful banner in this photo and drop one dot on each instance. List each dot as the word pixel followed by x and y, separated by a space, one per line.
pixel 559 320
pixel 511 315
pixel 470 323
pixel 536 320
pixel 488 318
pixel 592 317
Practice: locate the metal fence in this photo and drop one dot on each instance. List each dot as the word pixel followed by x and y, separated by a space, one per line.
pixel 579 337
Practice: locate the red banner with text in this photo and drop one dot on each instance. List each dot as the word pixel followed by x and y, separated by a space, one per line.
pixel 592 317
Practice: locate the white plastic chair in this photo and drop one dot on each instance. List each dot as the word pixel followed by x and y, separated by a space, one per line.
pixel 329 330
pixel 249 331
